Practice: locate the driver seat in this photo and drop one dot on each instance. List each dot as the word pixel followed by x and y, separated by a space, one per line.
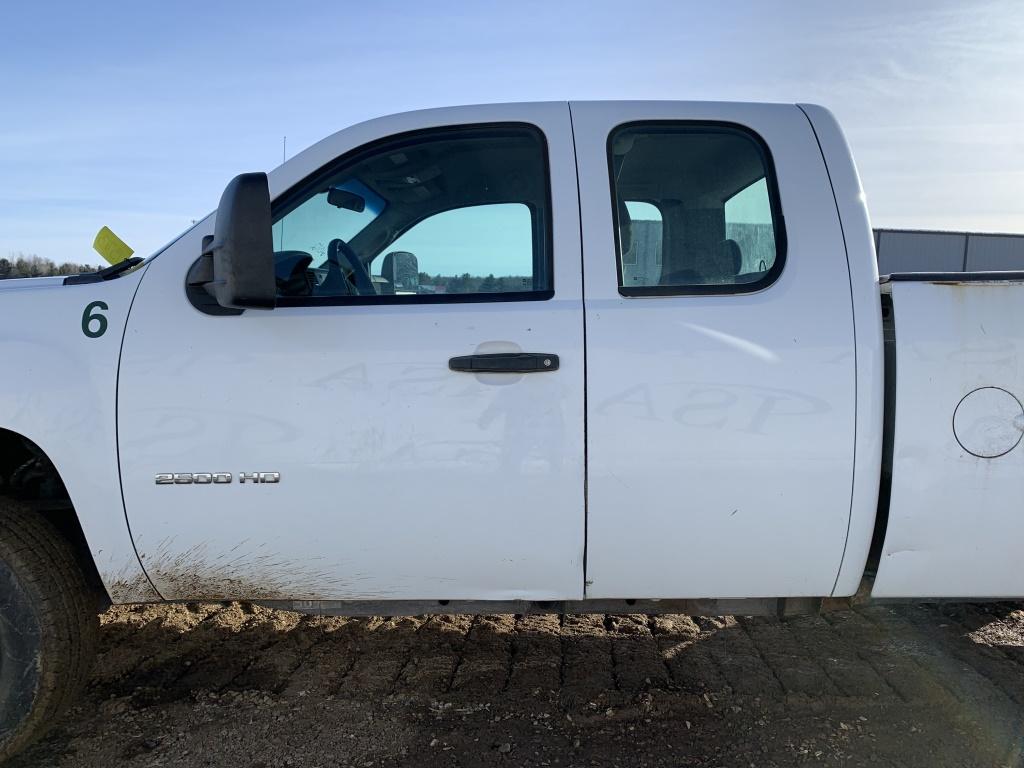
pixel 334 282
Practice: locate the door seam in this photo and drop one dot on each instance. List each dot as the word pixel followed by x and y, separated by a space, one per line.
pixel 586 409
pixel 856 362
pixel 117 435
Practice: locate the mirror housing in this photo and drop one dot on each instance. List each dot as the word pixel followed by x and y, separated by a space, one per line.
pixel 401 269
pixel 342 198
pixel 236 266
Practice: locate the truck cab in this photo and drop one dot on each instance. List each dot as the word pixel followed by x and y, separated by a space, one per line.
pixel 685 266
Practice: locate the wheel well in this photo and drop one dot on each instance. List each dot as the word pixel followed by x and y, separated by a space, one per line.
pixel 29 477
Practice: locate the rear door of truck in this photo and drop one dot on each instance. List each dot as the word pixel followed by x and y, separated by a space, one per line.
pixel 957 467
pixel 720 352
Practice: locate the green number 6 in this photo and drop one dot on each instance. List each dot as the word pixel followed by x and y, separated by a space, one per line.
pixel 91 316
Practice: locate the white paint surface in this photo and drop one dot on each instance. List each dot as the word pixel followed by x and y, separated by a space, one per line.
pixel 988 422
pixel 59 390
pixel 720 428
pixel 400 479
pixel 867 322
pixel 954 518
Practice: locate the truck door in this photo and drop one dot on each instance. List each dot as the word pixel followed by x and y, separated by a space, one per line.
pixel 720 353
pixel 346 445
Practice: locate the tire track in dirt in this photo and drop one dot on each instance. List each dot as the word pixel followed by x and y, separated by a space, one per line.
pixel 685 647
pixel 851 670
pixel 536 660
pixel 484 662
pixel 797 670
pixel 898 670
pixel 381 658
pixel 587 669
pixel 215 685
pixel 434 659
pixel 326 661
pixel 638 664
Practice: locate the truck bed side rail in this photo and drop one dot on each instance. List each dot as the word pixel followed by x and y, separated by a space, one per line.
pixel 953 277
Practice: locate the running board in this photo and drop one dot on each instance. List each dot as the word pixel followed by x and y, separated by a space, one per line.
pixel 781 607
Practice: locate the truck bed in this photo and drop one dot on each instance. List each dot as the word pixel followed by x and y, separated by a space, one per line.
pixel 955 378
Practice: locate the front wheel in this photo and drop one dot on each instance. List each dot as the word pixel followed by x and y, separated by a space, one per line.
pixel 48 627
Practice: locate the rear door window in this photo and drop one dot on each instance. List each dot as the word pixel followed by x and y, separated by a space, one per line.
pixel 696 209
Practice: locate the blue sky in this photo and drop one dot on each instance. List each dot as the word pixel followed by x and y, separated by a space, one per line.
pixel 135 115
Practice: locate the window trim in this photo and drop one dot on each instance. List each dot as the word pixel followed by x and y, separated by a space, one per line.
pixel 544 238
pixel 778 220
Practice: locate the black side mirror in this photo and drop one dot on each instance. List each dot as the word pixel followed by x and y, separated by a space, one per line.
pixel 235 270
pixel 401 269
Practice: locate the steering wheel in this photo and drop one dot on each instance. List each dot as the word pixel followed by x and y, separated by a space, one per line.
pixel 337 249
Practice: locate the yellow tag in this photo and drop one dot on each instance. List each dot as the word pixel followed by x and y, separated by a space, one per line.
pixel 111 247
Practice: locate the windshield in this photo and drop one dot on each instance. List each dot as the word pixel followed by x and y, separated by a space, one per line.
pixel 323 217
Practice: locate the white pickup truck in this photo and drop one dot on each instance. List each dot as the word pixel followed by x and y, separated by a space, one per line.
pixel 606 357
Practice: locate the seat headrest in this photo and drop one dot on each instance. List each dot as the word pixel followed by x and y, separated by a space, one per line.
pixel 733 255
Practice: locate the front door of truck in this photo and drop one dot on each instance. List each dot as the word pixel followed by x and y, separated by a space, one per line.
pixel 367 456
pixel 720 353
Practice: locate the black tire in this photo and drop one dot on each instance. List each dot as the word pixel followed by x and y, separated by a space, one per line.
pixel 48 627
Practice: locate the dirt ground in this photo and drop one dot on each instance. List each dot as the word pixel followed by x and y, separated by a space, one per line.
pixel 239 685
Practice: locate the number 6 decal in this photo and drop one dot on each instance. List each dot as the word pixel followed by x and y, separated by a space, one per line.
pixel 94 323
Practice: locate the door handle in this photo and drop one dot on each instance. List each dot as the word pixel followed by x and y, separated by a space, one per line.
pixel 505 362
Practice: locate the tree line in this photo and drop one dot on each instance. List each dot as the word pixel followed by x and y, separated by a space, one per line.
pixel 37 266
pixel 467 283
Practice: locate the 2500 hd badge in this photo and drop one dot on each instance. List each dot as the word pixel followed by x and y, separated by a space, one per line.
pixel 215 478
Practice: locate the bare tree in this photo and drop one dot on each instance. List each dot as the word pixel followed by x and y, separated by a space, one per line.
pixel 22 265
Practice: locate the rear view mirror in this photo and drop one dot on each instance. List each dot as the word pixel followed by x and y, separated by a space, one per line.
pixel 236 266
pixel 342 198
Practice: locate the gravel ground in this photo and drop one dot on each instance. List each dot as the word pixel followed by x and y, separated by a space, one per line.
pixel 240 685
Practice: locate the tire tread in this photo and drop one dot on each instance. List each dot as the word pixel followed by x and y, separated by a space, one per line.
pixel 66 610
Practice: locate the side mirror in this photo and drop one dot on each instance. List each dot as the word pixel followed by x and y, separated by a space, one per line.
pixel 401 269
pixel 235 270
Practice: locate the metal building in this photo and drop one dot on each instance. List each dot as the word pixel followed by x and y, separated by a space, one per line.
pixel 911 250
